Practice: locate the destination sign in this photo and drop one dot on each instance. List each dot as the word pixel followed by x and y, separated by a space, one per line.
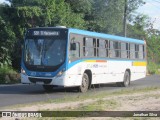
pixel 46 33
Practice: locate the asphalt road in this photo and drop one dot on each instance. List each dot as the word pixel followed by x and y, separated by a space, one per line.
pixel 21 94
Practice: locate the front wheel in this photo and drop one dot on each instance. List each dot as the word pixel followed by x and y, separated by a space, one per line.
pixel 48 88
pixel 85 83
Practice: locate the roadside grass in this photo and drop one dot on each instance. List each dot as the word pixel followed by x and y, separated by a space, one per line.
pixel 99 104
pixel 106 105
pixel 153 68
pixel 97 95
pixel 101 94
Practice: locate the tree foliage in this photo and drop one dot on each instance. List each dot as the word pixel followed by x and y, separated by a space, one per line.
pixel 7 40
pixel 106 16
pixel 96 15
pixel 138 27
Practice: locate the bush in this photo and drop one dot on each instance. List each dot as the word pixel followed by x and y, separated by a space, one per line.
pixel 8 76
pixel 153 68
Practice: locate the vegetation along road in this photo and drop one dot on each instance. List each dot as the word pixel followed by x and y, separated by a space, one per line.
pixel 22 94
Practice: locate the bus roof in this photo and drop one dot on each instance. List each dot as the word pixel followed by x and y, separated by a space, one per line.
pixel 105 36
pixel 97 35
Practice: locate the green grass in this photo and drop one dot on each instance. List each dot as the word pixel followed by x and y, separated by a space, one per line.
pixel 99 103
pixel 153 68
pixel 101 94
pixel 90 95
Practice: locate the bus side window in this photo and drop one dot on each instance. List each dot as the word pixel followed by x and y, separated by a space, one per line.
pixel 137 51
pixel 116 49
pixel 84 44
pixel 124 50
pixel 95 48
pixel 88 47
pixel 111 51
pixel 141 52
pixel 128 50
pixel 102 48
pixel 107 47
pixel 132 51
pixel 75 50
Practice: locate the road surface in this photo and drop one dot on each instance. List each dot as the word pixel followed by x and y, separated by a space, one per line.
pixel 21 94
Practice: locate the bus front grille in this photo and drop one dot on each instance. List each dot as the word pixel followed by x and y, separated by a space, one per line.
pixel 34 80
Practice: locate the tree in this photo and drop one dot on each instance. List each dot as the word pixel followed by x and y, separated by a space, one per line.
pixel 154 48
pixel 47 13
pixel 129 7
pixel 24 14
pixel 7 41
pixel 137 29
pixel 80 6
pixel 106 16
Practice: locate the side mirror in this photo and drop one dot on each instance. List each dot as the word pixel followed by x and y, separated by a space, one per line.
pixel 73 46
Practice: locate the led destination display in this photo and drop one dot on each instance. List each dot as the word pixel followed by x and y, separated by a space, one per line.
pixel 46 33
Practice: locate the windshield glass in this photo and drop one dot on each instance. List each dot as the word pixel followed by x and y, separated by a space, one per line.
pixel 44 51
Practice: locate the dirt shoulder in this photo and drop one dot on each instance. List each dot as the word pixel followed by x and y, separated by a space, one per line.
pixel 145 100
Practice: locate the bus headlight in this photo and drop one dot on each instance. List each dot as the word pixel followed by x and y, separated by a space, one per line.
pixel 23 71
pixel 61 72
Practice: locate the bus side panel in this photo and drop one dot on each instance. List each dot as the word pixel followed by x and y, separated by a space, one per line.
pixel 98 71
pixel 104 72
pixel 75 73
pixel 138 70
pixel 117 70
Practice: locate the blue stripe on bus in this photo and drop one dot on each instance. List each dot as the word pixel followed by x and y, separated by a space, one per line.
pixel 105 36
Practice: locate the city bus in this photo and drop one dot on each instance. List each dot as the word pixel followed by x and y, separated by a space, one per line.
pixel 68 57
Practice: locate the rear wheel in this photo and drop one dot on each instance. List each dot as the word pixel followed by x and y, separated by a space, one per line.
pixel 48 88
pixel 85 83
pixel 126 80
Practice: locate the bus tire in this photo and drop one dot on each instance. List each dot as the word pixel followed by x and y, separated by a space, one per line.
pixel 126 79
pixel 48 88
pixel 85 83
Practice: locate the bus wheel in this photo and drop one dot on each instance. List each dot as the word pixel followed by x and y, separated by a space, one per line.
pixel 126 79
pixel 85 83
pixel 48 88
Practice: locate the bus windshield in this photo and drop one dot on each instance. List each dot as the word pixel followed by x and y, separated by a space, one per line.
pixel 44 52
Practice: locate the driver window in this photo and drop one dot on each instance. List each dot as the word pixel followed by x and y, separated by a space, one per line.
pixel 74 50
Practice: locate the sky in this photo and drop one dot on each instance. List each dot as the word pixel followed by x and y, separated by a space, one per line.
pixel 151 8
pixel 1 1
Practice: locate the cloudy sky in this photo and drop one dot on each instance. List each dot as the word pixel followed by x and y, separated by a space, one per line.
pixel 151 8
pixel 1 1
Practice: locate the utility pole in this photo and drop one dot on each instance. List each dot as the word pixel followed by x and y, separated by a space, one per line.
pixel 125 18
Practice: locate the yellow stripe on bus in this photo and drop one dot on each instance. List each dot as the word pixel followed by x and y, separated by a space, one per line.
pixel 139 64
pixel 90 60
pixel 95 61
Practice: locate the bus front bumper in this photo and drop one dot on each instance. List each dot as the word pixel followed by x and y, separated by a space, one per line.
pixel 63 80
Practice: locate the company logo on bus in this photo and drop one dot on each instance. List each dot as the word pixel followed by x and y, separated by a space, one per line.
pixel 45 33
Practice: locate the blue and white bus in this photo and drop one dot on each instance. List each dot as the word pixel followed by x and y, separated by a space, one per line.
pixel 55 56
